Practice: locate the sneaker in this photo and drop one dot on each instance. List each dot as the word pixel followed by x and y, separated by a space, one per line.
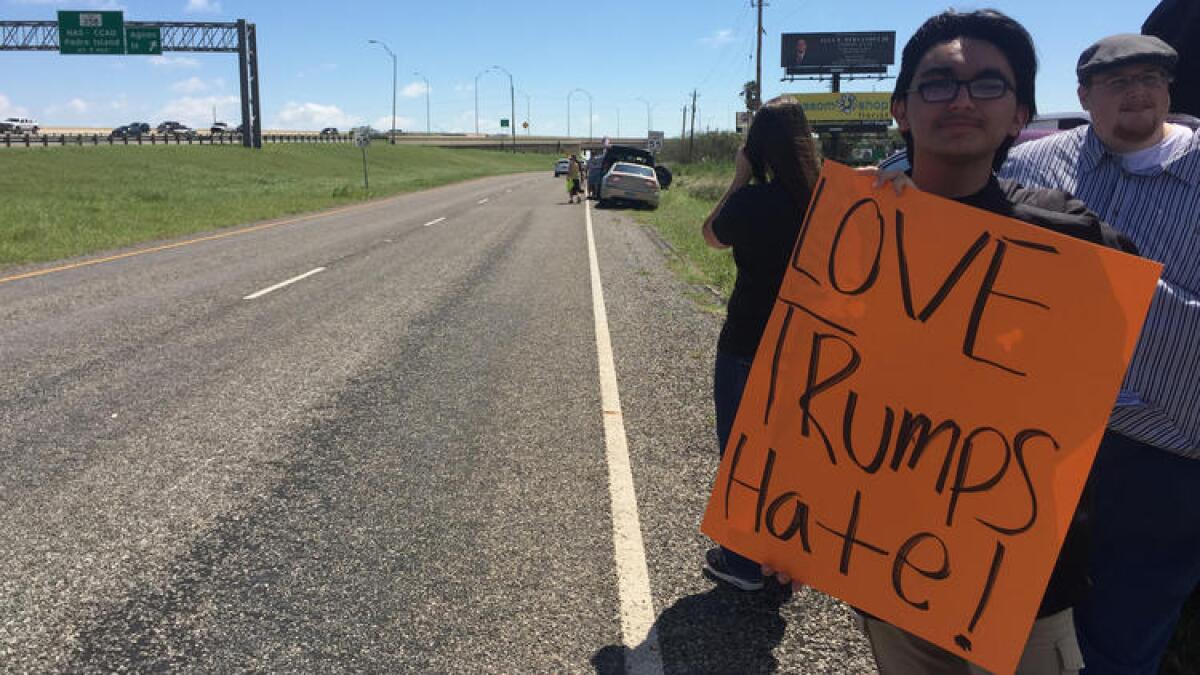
pixel 716 567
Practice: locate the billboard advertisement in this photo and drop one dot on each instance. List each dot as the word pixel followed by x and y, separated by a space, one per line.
pixel 846 108
pixel 864 52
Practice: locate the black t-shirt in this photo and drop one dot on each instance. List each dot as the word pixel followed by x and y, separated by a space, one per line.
pixel 760 222
pixel 1058 211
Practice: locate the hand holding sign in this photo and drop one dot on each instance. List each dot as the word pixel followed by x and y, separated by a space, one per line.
pixel 924 408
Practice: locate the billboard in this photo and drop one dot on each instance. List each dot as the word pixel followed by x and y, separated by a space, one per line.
pixel 813 53
pixel 742 121
pixel 845 108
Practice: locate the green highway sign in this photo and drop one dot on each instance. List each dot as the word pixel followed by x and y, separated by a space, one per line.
pixel 503 123
pixel 91 32
pixel 143 40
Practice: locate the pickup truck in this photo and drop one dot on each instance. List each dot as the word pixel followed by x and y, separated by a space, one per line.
pixel 18 125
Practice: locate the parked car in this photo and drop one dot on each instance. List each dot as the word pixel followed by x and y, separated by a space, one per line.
pixel 329 131
pixel 175 129
pixel 131 130
pixel 1040 126
pixel 219 129
pixel 1052 123
pixel 18 125
pixel 595 174
pixel 629 182
pixel 561 167
pixel 599 165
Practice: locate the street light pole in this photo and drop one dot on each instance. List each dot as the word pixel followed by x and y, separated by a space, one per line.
pixel 392 132
pixel 649 123
pixel 589 95
pixel 428 124
pixel 512 101
pixel 477 99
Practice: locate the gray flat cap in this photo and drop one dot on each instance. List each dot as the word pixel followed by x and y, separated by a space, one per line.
pixel 1118 50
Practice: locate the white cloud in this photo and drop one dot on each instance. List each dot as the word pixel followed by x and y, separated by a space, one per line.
pixel 197 111
pixel 413 90
pixel 7 109
pixel 174 62
pixel 299 116
pixel 718 38
pixel 203 7
pixel 75 107
pixel 192 85
pixel 402 123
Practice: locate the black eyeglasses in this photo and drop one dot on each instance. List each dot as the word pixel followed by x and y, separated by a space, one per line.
pixel 984 88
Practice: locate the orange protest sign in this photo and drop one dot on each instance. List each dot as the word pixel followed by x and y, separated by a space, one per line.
pixel 924 408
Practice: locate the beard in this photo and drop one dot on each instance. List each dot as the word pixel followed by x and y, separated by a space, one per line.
pixel 1136 129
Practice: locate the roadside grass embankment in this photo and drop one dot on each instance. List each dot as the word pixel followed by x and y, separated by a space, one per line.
pixel 67 202
pixel 696 189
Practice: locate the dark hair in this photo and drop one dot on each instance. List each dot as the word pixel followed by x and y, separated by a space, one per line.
pixel 987 25
pixel 780 145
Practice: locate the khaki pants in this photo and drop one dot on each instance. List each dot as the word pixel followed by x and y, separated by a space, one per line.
pixel 1051 650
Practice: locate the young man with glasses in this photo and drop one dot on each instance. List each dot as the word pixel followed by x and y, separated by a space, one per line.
pixel 965 90
pixel 1142 174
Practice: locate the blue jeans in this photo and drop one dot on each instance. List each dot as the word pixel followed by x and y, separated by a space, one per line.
pixel 729 381
pixel 1145 555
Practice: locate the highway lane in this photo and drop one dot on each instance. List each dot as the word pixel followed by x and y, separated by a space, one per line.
pixel 395 464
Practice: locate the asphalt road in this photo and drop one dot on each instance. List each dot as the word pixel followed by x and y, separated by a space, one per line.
pixel 397 463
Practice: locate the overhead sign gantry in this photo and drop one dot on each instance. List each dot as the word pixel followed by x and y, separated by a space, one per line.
pixel 107 32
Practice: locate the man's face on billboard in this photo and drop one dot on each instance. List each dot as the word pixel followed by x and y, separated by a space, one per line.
pixel 967 127
pixel 801 48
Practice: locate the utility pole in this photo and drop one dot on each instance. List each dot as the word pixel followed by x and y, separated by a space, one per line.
pixel 683 128
pixel 758 59
pixel 692 138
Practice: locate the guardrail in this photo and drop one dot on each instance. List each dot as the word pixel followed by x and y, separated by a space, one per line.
pixel 523 143
pixel 47 140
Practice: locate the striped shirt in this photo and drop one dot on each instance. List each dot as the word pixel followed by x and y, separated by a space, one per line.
pixel 1159 403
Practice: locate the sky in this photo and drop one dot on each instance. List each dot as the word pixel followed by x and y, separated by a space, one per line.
pixel 629 64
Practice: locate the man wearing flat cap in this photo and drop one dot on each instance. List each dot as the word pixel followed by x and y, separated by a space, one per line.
pixel 1141 174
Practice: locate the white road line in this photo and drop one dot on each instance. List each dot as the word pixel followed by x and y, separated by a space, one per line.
pixel 281 284
pixel 434 222
pixel 482 201
pixel 633 577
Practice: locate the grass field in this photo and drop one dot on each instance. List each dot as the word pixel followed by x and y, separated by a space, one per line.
pixel 62 202
pixel 683 208
pixel 678 219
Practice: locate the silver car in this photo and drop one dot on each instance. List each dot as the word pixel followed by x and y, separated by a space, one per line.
pixel 628 182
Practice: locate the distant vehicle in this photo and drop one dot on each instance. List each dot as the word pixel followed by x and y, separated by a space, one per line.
pixel 1040 126
pixel 175 129
pixel 1049 124
pixel 219 129
pixel 629 182
pixel 131 130
pixel 18 125
pixel 561 167
pixel 329 131
pixel 595 174
pixel 599 165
